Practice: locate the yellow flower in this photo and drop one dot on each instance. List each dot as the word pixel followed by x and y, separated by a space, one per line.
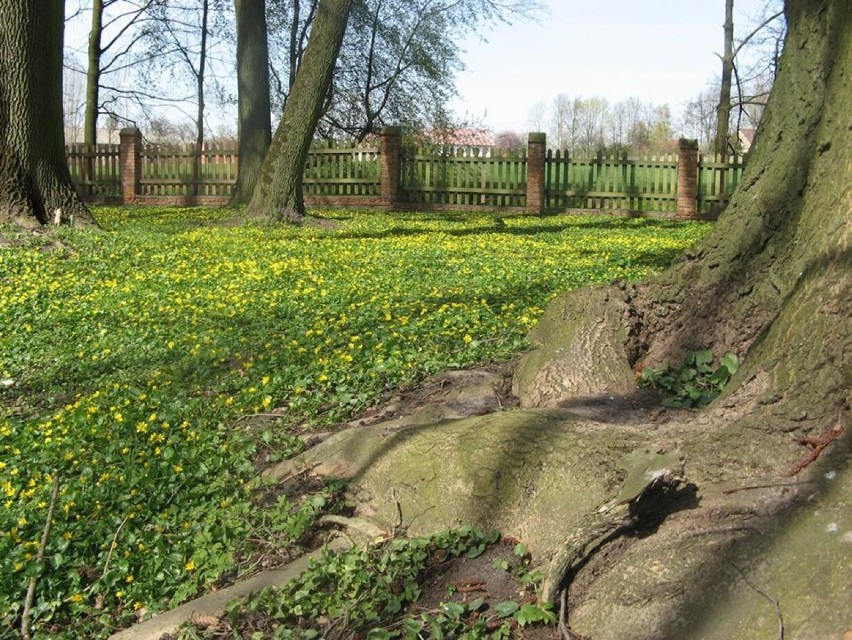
pixel 118 417
pixel 77 597
pixel 142 427
pixel 190 566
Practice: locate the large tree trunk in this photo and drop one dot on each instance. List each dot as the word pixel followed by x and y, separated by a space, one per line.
pixel 760 546
pixel 34 180
pixel 279 191
pixel 772 281
pixel 254 126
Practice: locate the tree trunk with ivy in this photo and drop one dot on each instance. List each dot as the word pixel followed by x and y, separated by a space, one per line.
pixel 278 192
pixel 35 185
pixel 763 511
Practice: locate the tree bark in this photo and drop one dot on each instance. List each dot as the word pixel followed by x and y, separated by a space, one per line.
pixel 254 125
pixel 35 184
pixel 279 191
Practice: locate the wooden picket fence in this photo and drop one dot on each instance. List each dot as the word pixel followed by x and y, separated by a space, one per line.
pixel 634 184
pixel 717 178
pixel 177 170
pixel 342 169
pixel 342 173
pixel 463 177
pixel 95 170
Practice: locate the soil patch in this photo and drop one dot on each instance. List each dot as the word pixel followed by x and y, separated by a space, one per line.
pixel 495 576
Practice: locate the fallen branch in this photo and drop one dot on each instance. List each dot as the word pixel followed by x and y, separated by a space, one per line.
pixel 770 485
pixel 817 445
pixel 31 589
pixel 112 546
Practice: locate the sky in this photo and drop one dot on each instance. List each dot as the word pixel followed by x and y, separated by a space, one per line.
pixel 664 51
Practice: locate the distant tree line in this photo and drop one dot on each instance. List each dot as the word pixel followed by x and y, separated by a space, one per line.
pixel 733 100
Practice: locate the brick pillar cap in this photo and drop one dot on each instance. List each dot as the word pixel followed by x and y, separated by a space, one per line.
pixel 537 136
pixel 391 130
pixel 129 131
pixel 687 144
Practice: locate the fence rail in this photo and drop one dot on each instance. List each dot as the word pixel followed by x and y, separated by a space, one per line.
pixel 346 174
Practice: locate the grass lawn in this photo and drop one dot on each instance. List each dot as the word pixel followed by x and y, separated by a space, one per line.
pixel 129 355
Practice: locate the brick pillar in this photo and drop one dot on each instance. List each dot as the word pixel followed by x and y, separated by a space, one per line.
pixel 129 163
pixel 536 150
pixel 390 162
pixel 687 179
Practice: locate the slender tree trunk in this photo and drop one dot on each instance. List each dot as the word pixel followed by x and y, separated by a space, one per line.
pixel 254 126
pixel 199 90
pixel 93 82
pixel 93 74
pixel 295 45
pixel 35 184
pixel 723 110
pixel 279 191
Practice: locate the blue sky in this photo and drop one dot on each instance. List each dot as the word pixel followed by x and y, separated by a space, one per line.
pixel 658 50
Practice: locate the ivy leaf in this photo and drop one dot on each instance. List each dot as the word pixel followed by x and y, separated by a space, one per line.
pixel 506 608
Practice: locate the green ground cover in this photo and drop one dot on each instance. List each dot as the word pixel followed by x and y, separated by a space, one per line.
pixel 128 357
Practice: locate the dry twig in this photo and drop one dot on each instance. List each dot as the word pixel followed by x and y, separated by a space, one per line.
pixel 763 593
pixel 31 589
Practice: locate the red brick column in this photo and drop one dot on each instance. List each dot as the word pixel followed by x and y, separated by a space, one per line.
pixel 129 163
pixel 390 162
pixel 536 150
pixel 687 179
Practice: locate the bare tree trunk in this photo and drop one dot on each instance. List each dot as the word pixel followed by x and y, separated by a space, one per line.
pixel 93 74
pixel 93 83
pixel 254 126
pixel 723 110
pixel 279 191
pixel 35 184
pixel 199 90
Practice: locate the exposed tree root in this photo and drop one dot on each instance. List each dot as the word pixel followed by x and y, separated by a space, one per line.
pixel 652 479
